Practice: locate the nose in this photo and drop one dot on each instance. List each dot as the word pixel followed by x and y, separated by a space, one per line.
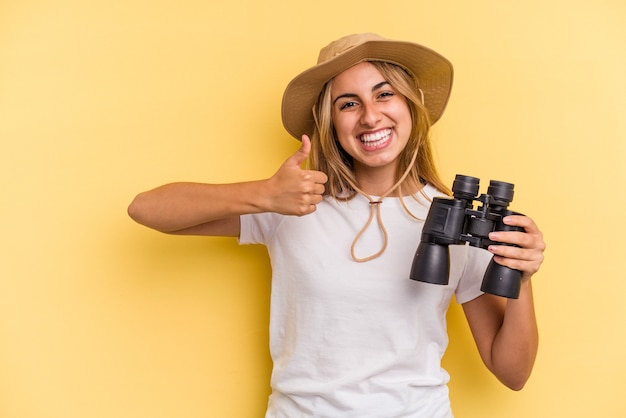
pixel 370 115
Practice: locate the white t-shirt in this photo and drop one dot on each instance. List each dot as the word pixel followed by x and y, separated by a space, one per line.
pixel 355 339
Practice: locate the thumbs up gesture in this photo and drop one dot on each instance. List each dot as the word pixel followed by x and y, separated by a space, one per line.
pixel 293 190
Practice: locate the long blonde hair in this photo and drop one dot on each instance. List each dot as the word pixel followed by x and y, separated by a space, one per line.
pixel 328 156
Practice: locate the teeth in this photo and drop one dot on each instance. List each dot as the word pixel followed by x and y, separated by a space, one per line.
pixel 376 138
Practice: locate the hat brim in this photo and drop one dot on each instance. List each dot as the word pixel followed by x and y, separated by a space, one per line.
pixel 432 71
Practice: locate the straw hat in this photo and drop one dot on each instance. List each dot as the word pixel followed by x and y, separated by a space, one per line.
pixel 432 71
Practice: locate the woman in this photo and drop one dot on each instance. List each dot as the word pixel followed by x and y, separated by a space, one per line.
pixel 350 334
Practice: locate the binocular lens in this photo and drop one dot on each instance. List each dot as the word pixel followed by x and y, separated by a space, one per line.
pixel 500 190
pixel 465 187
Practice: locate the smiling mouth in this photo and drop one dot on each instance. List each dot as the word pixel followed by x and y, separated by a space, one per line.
pixel 375 139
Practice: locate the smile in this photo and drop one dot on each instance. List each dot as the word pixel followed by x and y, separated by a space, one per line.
pixel 375 139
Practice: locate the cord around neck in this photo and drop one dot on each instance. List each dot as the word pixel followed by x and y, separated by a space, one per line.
pixel 375 210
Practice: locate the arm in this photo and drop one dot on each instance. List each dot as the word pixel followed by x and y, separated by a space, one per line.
pixel 505 330
pixel 214 209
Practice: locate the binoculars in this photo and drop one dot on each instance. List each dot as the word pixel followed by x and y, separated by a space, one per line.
pixel 453 221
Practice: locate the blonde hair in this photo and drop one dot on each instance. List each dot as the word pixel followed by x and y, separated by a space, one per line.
pixel 328 156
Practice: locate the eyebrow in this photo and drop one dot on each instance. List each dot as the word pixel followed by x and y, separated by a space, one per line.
pixel 352 95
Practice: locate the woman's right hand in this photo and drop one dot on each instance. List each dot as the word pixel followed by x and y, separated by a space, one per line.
pixel 294 190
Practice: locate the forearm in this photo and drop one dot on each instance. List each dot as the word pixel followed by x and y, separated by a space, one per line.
pixel 178 206
pixel 214 209
pixel 505 330
pixel 515 346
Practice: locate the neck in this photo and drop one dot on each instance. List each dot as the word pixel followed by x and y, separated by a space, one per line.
pixel 375 181
pixel 381 181
pixel 379 187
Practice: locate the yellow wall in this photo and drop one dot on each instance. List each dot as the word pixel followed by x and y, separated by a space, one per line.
pixel 100 99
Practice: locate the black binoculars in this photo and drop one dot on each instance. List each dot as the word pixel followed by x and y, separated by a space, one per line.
pixel 453 221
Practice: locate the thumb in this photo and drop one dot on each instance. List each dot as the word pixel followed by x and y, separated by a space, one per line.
pixel 303 152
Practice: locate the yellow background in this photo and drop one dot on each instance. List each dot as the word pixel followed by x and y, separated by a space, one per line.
pixel 101 99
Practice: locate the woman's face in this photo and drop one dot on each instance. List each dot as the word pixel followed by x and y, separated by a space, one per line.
pixel 372 120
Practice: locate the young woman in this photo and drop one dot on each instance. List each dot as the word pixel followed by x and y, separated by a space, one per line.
pixel 350 334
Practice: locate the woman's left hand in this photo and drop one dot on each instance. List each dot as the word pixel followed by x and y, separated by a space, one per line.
pixel 527 255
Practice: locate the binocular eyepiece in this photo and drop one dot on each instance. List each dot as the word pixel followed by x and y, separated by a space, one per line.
pixel 453 221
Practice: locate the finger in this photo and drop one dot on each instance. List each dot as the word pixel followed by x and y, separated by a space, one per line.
pixel 303 152
pixel 521 220
pixel 309 206
pixel 522 239
pixel 525 240
pixel 517 253
pixel 312 208
pixel 319 177
pixel 319 189
pixel 524 260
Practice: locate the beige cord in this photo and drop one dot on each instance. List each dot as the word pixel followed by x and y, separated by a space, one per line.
pixel 375 208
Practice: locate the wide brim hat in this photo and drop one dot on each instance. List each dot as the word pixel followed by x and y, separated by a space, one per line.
pixel 432 71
